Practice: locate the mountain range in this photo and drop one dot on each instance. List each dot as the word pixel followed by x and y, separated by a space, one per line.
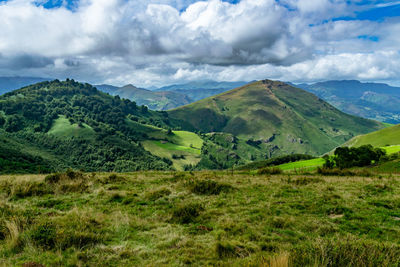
pixel 376 101
pixel 41 122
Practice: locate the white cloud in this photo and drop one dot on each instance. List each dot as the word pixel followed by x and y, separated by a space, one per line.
pixel 167 41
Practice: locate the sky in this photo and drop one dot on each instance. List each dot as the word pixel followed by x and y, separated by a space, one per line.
pixel 161 42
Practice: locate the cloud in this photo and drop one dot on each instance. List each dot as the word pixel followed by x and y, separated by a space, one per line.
pixel 165 41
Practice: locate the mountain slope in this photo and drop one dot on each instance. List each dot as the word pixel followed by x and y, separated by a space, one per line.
pixel 384 137
pixel 276 117
pixel 68 124
pixel 369 100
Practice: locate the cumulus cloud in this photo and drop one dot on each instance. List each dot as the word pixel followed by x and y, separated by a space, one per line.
pixel 165 41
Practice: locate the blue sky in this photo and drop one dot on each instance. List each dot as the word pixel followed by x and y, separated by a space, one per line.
pixel 158 42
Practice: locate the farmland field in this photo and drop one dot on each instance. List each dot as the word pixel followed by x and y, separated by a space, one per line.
pixel 201 218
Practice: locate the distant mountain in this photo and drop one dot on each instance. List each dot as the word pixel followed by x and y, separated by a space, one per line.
pixel 377 101
pixel 8 84
pixel 208 84
pixel 201 89
pixel 274 117
pixel 155 100
pixel 171 96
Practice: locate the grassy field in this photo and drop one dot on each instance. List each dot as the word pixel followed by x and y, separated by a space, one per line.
pixel 64 129
pixel 201 218
pixel 303 164
pixel 183 148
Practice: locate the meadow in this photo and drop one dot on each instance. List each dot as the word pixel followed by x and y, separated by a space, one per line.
pixel 200 218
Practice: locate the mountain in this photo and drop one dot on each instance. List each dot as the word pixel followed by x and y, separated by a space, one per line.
pixel 171 96
pixel 50 126
pixel 201 89
pixel 274 117
pixel 161 100
pixel 208 84
pixel 377 101
pixel 8 84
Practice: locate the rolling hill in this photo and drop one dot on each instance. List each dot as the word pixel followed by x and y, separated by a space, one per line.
pixel 274 117
pixel 377 101
pixel 55 125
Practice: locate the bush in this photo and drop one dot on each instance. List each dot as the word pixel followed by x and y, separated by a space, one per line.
pixel 207 187
pixel 347 157
pixel 270 170
pixel 187 213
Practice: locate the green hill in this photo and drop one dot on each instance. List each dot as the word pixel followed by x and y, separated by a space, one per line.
pixel 274 117
pixel 384 137
pixel 54 125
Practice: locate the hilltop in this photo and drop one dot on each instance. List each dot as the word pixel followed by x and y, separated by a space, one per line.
pixel 274 117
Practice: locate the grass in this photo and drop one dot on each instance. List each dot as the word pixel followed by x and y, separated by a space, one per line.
pixel 182 147
pixel 392 149
pixel 310 164
pixel 64 129
pixel 182 218
pixel 381 138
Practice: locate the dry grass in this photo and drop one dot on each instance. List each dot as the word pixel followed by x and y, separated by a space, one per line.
pixel 155 218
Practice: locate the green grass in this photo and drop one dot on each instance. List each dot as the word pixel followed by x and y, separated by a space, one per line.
pixel 187 139
pixel 173 147
pixel 303 164
pixel 381 138
pixel 64 129
pixel 179 219
pixel 392 149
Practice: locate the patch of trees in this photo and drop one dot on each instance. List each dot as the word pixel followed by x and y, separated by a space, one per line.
pixel 347 157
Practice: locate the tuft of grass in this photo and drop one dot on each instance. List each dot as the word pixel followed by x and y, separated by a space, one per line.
pixel 231 249
pixel 345 252
pixel 154 195
pixel 187 213
pixel 207 187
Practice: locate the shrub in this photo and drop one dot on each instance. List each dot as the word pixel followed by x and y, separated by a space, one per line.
pixel 270 171
pixel 207 187
pixel 187 213
pixel 346 157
